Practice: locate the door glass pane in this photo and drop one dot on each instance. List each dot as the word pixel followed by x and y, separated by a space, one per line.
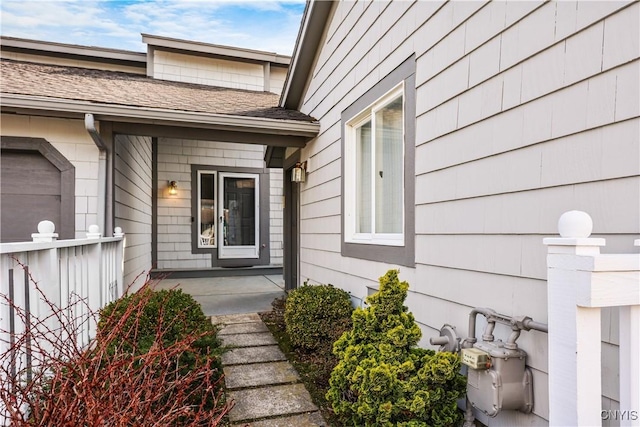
pixel 207 210
pixel 389 171
pixel 363 178
pixel 239 211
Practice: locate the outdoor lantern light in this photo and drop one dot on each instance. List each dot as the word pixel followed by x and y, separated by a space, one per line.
pixel 173 188
pixel 298 172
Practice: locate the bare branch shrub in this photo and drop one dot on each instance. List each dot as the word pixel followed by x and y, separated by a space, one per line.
pixel 48 379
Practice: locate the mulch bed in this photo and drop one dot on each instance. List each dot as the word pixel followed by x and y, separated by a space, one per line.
pixel 314 367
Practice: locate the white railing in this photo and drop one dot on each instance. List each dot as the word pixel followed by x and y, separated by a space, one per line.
pixel 50 294
pixel 581 281
pixel 82 275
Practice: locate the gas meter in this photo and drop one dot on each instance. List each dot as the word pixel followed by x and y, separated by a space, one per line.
pixel 497 378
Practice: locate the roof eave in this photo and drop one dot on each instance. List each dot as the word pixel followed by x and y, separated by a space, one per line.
pixel 89 52
pixel 125 113
pixel 314 20
pixel 216 50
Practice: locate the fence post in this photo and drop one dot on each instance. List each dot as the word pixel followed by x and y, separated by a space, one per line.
pixel 629 356
pixel 94 275
pixel 45 269
pixel 117 232
pixel 574 332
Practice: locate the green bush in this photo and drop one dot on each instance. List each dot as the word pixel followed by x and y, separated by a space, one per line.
pixel 153 362
pixel 163 318
pixel 315 316
pixel 383 378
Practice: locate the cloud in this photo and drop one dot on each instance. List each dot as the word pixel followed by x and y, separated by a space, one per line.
pixel 261 25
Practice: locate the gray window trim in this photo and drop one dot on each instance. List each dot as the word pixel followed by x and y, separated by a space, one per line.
pixel 265 256
pixel 67 228
pixel 401 255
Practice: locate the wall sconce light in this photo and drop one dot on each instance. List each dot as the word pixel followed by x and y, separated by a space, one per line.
pixel 299 172
pixel 173 188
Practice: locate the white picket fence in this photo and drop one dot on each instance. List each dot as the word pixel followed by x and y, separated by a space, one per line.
pixel 582 281
pixel 82 275
pixel 55 287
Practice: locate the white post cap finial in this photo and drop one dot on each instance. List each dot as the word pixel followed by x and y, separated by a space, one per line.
pixel 46 227
pixel 575 224
pixel 117 232
pixel 574 227
pixel 46 232
pixel 94 232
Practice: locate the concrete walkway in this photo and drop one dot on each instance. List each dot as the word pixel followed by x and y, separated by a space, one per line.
pixel 265 387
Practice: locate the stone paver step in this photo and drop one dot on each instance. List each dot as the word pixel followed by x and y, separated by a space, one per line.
pixel 265 388
pixel 248 340
pixel 243 328
pixel 228 319
pixel 264 402
pixel 259 374
pixel 312 419
pixel 246 355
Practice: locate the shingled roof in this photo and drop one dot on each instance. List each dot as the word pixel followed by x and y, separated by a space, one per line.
pixel 123 89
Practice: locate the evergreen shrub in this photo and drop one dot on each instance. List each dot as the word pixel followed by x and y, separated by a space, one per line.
pixel 383 378
pixel 168 316
pixel 164 318
pixel 316 315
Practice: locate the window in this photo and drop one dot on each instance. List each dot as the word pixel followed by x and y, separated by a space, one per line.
pixel 375 149
pixel 378 170
pixel 207 209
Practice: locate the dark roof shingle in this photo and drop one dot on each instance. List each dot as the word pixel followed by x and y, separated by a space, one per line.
pixel 117 88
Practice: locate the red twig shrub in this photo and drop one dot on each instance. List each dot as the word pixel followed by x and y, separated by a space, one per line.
pixel 107 384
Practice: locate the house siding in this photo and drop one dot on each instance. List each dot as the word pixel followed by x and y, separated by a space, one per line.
pixel 524 110
pixel 186 68
pixel 132 196
pixel 278 75
pixel 71 139
pixel 175 158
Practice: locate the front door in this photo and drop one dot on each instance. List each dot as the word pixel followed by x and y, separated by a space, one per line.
pixel 239 235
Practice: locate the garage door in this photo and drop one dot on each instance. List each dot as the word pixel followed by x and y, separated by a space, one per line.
pixel 32 189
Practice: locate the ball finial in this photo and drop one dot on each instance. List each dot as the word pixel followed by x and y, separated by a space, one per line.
pixel 94 229
pixel 46 227
pixel 575 224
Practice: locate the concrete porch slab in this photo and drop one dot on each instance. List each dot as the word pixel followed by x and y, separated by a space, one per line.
pixel 257 403
pixel 237 303
pixel 259 374
pixel 229 295
pixel 203 286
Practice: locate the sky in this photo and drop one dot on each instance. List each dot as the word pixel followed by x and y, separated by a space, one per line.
pixel 266 25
